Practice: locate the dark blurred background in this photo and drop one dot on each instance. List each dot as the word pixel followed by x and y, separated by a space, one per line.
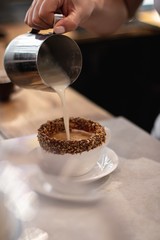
pixel 13 10
pixel 123 76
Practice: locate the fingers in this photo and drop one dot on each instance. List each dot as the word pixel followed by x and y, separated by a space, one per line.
pixel 75 13
pixel 41 14
pixel 67 24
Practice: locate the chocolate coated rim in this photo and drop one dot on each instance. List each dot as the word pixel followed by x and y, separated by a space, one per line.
pixel 53 145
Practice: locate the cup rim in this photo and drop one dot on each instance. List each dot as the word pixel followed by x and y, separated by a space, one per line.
pixel 53 145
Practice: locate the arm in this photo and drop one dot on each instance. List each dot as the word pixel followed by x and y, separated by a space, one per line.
pixel 98 16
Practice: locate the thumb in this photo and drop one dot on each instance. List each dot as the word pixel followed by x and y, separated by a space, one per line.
pixel 67 24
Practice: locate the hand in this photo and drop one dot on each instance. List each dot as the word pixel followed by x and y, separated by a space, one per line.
pixel 41 14
pixel 97 16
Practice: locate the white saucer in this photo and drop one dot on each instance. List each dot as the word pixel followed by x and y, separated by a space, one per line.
pixel 107 164
pixel 81 192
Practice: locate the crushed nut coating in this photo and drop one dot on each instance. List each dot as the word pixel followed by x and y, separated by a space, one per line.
pixel 50 144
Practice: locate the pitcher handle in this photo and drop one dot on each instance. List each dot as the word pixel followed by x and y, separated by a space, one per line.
pixel 57 17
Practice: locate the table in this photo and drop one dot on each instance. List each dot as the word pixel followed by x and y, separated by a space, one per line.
pixel 130 203
pixel 132 142
pixel 28 109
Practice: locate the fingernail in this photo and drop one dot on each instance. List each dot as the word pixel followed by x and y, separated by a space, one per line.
pixel 59 30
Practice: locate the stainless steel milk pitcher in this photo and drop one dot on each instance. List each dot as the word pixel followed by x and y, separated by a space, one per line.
pixel 38 61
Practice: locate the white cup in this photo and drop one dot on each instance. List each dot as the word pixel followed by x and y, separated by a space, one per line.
pixel 71 157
